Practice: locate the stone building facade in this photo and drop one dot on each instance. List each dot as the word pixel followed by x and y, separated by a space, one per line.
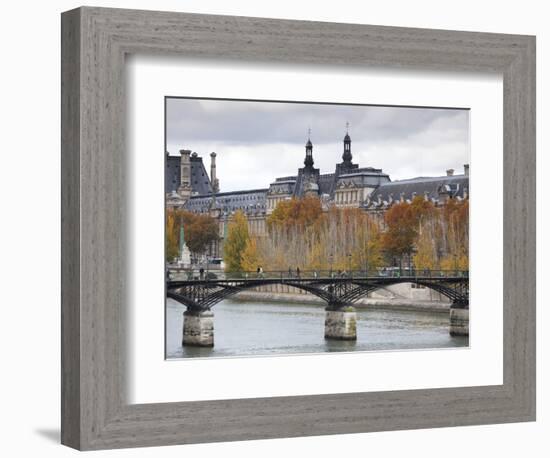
pixel 189 186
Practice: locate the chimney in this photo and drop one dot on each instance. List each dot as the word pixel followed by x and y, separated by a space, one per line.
pixel 466 169
pixel 450 172
pixel 184 189
pixel 213 178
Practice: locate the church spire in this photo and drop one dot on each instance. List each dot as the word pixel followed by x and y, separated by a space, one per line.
pixel 308 161
pixel 347 157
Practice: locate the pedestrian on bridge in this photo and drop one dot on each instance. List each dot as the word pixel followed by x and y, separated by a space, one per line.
pixel 298 272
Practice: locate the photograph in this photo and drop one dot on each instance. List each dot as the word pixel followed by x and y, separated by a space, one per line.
pixel 251 232
pixel 306 227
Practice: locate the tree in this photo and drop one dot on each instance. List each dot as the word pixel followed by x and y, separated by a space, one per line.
pixel 456 238
pixel 235 244
pixel 172 236
pixel 301 234
pixel 400 230
pixel 295 213
pixel 250 259
pixel 403 221
pixel 200 231
pixel 426 248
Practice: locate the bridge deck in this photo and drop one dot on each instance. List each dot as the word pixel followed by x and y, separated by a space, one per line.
pixel 337 289
pixel 265 278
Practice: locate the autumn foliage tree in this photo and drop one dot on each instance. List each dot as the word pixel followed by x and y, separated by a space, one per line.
pixel 442 241
pixel 348 238
pixel 172 236
pixel 403 222
pixel 295 213
pixel 301 235
pixel 250 257
pixel 236 242
pixel 426 255
pixel 455 234
pixel 400 234
pixel 199 231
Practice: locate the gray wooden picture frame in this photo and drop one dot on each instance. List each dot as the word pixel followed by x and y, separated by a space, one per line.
pixel 95 412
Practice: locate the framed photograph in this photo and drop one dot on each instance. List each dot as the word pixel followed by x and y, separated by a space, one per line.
pixel 277 228
pixel 381 263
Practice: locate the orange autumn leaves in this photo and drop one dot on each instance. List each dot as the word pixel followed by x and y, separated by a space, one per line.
pixel 300 234
pixel 199 231
pixel 435 237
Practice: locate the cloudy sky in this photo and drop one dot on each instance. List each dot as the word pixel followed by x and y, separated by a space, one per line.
pixel 256 142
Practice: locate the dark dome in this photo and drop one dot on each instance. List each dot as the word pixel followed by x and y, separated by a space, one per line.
pixel 309 143
pixel 347 138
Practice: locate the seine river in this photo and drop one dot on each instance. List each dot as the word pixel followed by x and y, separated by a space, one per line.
pixel 266 328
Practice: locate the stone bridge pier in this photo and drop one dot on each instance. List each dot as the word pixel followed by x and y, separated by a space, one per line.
pixel 340 323
pixel 198 328
pixel 459 320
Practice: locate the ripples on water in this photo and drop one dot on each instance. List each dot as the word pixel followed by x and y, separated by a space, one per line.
pixel 262 328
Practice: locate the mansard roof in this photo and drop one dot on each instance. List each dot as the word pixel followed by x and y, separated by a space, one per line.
pixel 364 170
pixel 326 183
pixel 455 186
pixel 200 181
pixel 172 177
pixel 249 200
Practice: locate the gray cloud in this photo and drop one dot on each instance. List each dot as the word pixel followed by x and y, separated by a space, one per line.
pixel 258 141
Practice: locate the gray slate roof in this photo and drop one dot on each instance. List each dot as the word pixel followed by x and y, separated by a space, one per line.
pixel 326 183
pixel 200 181
pixel 456 184
pixel 253 200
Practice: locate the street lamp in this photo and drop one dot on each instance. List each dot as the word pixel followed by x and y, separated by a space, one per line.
pixel 330 259
pixel 349 264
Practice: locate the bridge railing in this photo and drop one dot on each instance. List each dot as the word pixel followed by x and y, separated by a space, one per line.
pixel 294 274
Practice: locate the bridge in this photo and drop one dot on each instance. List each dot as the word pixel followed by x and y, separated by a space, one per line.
pixel 339 290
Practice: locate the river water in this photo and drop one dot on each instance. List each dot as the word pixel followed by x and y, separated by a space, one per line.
pixel 265 328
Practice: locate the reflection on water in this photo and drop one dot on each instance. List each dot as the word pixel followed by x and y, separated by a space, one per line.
pixel 262 328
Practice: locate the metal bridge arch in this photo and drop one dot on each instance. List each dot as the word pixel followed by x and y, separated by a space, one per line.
pixel 204 294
